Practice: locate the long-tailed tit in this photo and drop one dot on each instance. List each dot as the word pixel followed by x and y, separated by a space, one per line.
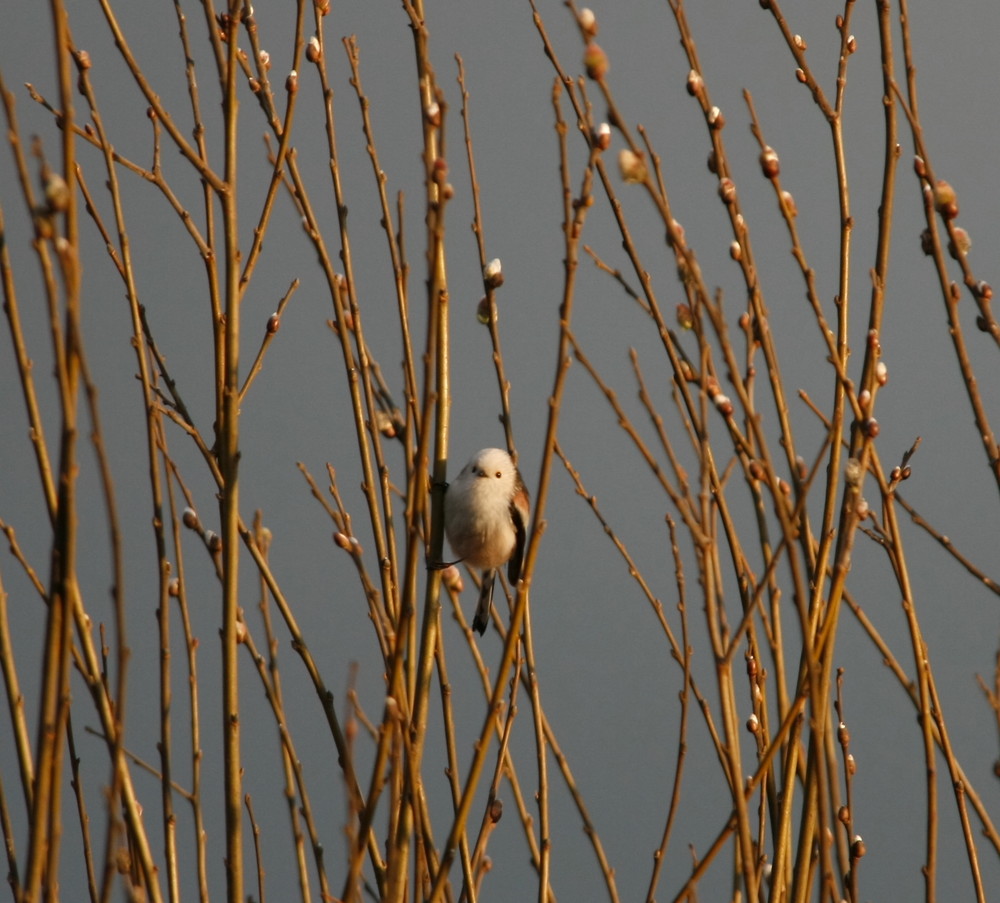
pixel 486 512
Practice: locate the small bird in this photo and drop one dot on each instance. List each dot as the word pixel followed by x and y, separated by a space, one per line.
pixel 486 512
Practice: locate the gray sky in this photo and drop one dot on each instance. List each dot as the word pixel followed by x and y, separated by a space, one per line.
pixel 608 684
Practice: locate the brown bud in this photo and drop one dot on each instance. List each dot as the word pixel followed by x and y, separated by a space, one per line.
pixel 273 324
pixel 801 75
pixel 984 290
pixel 82 60
pixel 342 540
pixel 595 61
pixel 945 200
pixel 870 427
pixel 800 42
pixel 852 44
pixel 736 250
pixel 439 171
pixel 919 167
pixel 214 541
pixel 843 734
pixel 292 82
pixel 190 519
pixel 756 473
pixel 727 190
pixel 982 324
pixel 858 848
pixel 314 52
pixel 724 404
pixel 769 163
pixel 881 373
pixel 844 815
pixel 496 811
pixel 788 202
pixel 483 311
pixel 753 725
pixel 715 118
pixel 695 83
pixel 685 319
pixel 927 242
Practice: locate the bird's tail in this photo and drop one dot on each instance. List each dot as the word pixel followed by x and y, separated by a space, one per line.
pixel 482 617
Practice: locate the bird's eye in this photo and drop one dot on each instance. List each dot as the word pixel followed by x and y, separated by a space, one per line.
pixel 498 474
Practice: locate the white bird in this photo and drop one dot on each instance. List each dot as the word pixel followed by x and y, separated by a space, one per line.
pixel 486 511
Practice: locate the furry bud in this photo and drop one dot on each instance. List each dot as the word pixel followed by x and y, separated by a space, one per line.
pixel 960 244
pixel 632 166
pixel 493 274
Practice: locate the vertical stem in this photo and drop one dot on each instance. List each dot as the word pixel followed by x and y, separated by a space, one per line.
pixel 41 872
pixel 228 451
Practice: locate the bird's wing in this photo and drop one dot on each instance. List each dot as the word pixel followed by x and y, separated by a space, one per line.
pixel 519 517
